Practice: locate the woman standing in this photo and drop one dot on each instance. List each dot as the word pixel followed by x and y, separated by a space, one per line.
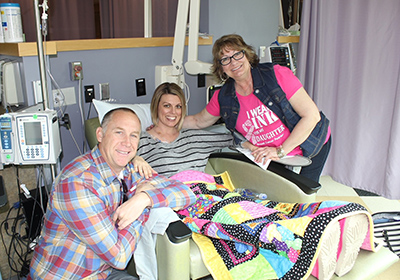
pixel 266 104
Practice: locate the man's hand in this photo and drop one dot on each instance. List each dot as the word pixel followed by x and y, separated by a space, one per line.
pixel 131 210
pixel 143 167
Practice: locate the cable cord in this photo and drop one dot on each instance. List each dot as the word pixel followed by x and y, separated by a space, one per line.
pixel 18 251
pixel 81 109
pixel 73 138
pixel 186 91
pixel 63 106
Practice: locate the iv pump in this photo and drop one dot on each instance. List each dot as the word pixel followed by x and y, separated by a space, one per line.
pixel 29 138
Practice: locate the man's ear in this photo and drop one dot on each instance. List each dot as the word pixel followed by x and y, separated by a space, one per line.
pixel 99 134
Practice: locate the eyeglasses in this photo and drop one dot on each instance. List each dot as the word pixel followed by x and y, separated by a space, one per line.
pixel 227 60
pixel 124 191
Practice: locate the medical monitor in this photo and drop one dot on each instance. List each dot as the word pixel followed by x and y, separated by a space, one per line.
pixel 30 137
pixel 281 54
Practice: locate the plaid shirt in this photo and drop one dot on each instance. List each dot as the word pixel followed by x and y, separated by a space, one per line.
pixel 79 238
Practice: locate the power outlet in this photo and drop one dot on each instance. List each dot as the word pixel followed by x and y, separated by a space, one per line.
pixel 140 87
pixel 64 96
pixel 76 70
pixel 89 93
pixel 201 80
pixel 58 98
pixel 104 91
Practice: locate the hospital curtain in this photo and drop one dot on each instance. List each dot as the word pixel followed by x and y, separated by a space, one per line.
pixel 67 19
pixel 349 62
pixel 91 19
pixel 164 17
pixel 122 18
pixel 71 19
pixel 125 18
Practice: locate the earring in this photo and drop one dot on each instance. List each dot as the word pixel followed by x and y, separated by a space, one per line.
pixel 224 77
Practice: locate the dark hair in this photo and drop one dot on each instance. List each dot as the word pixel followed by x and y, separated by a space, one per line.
pixel 231 42
pixel 167 88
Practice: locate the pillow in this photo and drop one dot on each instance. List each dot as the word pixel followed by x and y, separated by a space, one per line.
pixel 141 110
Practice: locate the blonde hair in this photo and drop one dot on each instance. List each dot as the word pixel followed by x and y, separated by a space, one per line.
pixel 167 88
pixel 231 42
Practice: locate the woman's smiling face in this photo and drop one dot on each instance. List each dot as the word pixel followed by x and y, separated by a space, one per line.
pixel 169 110
pixel 236 68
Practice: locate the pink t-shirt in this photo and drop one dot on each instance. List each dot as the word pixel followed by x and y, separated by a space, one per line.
pixel 256 121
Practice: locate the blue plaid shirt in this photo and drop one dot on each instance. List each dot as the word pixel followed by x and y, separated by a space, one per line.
pixel 79 238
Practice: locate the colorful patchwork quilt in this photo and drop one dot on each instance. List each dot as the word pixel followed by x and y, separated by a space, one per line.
pixel 241 238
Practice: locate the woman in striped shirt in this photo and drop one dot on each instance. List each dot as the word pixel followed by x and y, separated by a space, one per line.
pixel 170 149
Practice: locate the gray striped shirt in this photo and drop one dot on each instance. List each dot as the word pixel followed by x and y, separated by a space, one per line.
pixel 190 151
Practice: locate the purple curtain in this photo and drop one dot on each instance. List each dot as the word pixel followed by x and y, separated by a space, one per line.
pixel 349 62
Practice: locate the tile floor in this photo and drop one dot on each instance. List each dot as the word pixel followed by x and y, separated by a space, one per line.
pixel 332 190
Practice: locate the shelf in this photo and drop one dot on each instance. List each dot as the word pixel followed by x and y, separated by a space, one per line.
pixel 25 49
pixel 288 39
pixel 53 47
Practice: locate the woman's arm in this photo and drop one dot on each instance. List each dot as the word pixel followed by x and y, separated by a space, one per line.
pixel 309 114
pixel 142 167
pixel 200 120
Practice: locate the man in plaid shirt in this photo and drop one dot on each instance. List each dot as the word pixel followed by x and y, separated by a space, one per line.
pixel 89 231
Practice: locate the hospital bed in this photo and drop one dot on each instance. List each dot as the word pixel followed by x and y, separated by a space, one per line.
pixel 180 258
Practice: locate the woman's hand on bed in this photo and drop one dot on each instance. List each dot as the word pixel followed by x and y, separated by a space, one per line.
pixel 249 146
pixel 143 168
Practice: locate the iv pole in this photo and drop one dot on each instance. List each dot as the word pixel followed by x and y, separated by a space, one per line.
pixel 41 30
pixel 42 65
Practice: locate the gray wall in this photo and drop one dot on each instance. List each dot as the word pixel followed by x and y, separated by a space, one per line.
pixel 255 20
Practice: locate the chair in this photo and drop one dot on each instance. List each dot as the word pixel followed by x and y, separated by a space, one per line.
pixel 180 258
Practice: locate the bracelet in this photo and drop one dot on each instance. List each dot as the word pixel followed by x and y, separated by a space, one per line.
pixel 280 152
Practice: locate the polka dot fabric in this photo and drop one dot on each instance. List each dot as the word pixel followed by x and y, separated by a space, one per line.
pixel 243 239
